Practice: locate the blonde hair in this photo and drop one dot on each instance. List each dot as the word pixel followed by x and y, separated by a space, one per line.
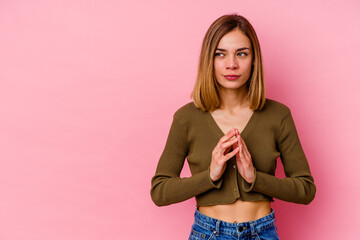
pixel 205 93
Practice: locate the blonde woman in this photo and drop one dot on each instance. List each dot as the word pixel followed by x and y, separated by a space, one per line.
pixel 231 136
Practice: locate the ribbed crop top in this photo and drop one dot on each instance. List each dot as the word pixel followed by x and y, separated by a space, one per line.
pixel 270 133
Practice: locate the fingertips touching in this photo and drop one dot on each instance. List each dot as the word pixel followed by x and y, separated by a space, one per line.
pixel 239 140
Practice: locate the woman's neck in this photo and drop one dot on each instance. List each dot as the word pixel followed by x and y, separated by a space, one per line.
pixel 233 99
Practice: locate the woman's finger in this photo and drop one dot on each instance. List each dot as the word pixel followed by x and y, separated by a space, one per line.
pixel 246 151
pixel 242 155
pixel 227 136
pixel 242 158
pixel 224 139
pixel 231 154
pixel 236 132
pixel 242 142
pixel 239 140
pixel 227 145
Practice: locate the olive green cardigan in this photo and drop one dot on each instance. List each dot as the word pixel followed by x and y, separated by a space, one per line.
pixel 269 134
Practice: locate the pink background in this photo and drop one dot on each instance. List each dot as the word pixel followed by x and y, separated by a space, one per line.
pixel 87 93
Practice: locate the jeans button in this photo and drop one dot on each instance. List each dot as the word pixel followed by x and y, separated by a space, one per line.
pixel 241 228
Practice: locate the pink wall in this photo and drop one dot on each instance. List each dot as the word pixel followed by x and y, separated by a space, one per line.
pixel 87 93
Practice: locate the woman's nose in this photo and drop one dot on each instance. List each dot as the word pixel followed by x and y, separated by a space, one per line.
pixel 231 63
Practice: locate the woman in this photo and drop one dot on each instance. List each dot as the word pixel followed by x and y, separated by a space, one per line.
pixel 231 136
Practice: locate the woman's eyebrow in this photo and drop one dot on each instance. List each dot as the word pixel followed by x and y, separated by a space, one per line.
pixel 239 49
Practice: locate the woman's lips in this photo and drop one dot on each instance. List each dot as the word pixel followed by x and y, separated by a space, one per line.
pixel 231 77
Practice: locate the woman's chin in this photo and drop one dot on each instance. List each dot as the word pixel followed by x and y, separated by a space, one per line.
pixel 233 86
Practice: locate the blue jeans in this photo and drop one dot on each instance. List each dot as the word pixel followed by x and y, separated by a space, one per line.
pixel 206 228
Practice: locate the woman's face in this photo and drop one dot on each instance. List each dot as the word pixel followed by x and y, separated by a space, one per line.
pixel 233 59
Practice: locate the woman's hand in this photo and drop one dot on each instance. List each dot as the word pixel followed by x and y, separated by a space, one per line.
pixel 243 161
pixel 221 154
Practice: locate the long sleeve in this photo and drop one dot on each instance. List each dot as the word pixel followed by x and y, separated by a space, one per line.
pixel 166 186
pixel 298 186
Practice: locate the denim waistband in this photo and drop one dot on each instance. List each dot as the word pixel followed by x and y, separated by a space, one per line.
pixel 236 229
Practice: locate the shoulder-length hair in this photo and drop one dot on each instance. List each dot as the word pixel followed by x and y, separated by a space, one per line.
pixel 206 90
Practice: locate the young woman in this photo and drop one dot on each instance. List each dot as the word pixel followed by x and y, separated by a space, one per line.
pixel 231 136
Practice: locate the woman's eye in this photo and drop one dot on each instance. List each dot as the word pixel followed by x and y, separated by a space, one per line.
pixel 242 54
pixel 219 54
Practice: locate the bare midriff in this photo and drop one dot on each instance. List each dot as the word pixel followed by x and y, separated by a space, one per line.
pixel 238 211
